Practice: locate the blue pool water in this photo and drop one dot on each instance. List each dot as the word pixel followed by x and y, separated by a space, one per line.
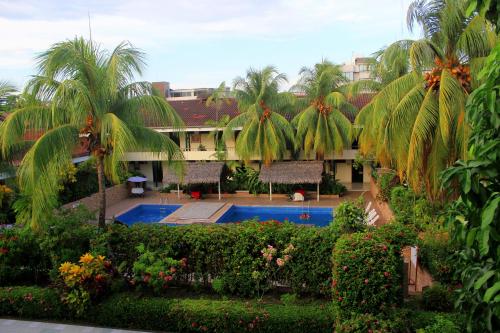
pixel 318 216
pixel 147 214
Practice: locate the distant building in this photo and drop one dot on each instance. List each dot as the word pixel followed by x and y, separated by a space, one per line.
pixel 359 68
pixel 185 94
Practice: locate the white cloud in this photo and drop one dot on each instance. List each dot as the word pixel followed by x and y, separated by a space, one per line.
pixel 31 27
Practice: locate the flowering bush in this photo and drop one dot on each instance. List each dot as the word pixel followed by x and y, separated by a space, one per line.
pixel 266 276
pixel 154 269
pixel 86 281
pixel 367 274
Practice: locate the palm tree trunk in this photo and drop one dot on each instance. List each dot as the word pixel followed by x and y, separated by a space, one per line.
pixel 102 191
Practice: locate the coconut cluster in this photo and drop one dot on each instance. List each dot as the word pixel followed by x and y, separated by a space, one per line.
pixel 459 71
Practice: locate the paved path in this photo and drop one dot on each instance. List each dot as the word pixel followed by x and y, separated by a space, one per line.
pixel 21 326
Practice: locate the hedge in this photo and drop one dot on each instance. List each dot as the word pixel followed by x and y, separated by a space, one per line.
pixel 127 310
pixel 229 253
pixel 367 274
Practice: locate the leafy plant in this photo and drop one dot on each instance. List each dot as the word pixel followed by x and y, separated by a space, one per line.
pixel 437 298
pixel 475 214
pixel 85 282
pixel 385 184
pixel 349 217
pixel 154 269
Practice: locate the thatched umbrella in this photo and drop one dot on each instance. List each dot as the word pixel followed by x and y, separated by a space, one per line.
pixel 296 172
pixel 197 173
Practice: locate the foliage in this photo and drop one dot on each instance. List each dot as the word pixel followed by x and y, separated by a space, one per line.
pixel 368 322
pixel 200 315
pixel 415 124
pixel 85 282
pixel 367 274
pixel 441 325
pixel 437 298
pixel 230 253
pixel 21 258
pixel 84 184
pixel 66 235
pixel 289 299
pixel 386 183
pixel 436 254
pixel 83 95
pixel 330 185
pixel 409 208
pixel 6 198
pixel 349 217
pixel 266 131
pixel 248 179
pixel 32 303
pixel 154 269
pixel 487 8
pixel 475 214
pixel 321 124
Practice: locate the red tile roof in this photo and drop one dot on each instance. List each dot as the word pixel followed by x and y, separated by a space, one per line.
pixel 195 113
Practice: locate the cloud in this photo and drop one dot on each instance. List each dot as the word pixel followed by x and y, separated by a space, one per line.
pixel 157 26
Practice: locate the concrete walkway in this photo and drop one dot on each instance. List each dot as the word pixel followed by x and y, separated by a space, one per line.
pixel 21 326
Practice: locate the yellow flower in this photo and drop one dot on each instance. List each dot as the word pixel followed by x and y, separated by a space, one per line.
pixel 65 267
pixel 101 258
pixel 86 258
pixel 75 270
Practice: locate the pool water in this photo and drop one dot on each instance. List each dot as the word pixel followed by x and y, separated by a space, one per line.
pixel 318 216
pixel 147 214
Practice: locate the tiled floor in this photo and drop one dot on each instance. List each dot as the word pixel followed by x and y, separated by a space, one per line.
pixel 21 326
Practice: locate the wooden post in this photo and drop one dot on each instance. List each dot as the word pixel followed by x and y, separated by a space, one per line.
pixel 317 192
pixel 178 192
pixel 270 192
pixel 219 188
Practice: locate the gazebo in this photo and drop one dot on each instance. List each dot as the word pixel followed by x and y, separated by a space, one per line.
pixel 295 172
pixel 197 173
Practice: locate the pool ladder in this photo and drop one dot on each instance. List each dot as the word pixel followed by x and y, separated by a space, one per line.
pixel 308 212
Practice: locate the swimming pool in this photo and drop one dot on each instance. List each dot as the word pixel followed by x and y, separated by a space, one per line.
pixel 318 216
pixel 147 214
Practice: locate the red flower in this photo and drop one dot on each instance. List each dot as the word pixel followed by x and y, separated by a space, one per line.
pixel 366 281
pixel 161 274
pixel 384 247
pixel 204 328
pixel 194 324
pixel 340 299
pixel 173 269
pixel 345 268
pixel 387 274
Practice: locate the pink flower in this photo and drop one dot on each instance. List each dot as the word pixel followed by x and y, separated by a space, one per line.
pixel 287 257
pixel 345 268
pixel 366 281
pixel 387 274
pixel 280 262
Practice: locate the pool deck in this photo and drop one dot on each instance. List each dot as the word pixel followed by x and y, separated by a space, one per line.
pixel 154 197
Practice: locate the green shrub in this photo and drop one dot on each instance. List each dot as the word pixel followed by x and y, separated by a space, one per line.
pixel 437 298
pixel 198 315
pixel 371 323
pixel 330 185
pixel 385 184
pixel 66 235
pixel 367 273
pixel 436 255
pixel 421 321
pixel 230 253
pixel 31 303
pixel 441 325
pixel 21 259
pixel 349 217
pixel 408 208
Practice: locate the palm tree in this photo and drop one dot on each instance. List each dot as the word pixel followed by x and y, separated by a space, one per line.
pixel 265 130
pixel 217 99
pixel 416 123
pixel 5 90
pixel 87 95
pixel 321 126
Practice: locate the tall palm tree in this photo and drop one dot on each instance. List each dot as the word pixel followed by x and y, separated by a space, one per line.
pixel 265 130
pixel 321 126
pixel 416 123
pixel 217 99
pixel 86 95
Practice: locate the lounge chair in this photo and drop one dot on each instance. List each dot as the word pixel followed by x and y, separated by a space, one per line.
pixel 139 191
pixel 298 197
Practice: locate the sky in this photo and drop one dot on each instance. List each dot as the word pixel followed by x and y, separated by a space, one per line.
pixel 202 43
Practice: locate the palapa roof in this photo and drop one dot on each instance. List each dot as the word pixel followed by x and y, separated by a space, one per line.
pixel 197 173
pixel 295 172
